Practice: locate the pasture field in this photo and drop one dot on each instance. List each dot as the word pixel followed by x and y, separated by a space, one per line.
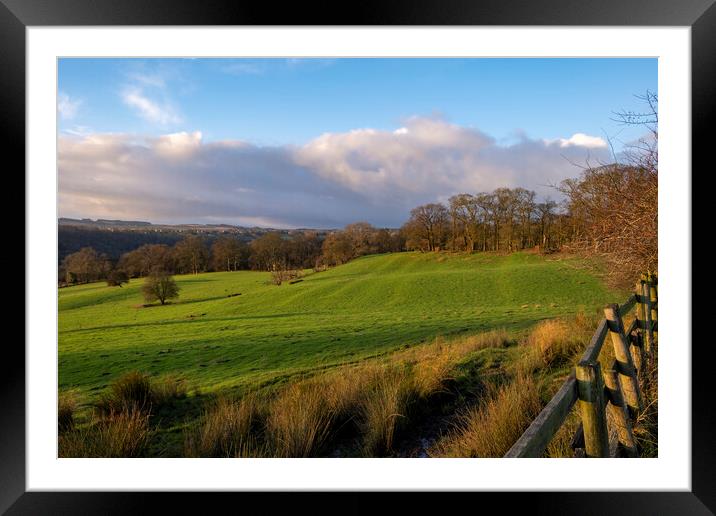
pixel 218 340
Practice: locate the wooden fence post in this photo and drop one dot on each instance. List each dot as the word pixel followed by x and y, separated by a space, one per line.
pixel 644 295
pixel 636 347
pixel 627 372
pixel 654 300
pixel 590 388
pixel 619 411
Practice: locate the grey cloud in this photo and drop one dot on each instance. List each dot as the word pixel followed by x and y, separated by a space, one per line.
pixel 333 180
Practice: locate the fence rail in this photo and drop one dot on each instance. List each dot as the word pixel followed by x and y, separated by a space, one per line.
pixel 609 399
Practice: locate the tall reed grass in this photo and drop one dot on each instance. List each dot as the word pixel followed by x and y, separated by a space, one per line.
pixel 491 428
pixel 120 434
pixel 228 428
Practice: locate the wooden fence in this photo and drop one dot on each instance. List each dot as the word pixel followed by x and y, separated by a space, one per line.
pixel 609 400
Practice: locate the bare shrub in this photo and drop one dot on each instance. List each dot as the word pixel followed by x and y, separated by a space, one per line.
pixel 279 276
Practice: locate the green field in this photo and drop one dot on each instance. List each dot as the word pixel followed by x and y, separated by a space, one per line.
pixel 369 306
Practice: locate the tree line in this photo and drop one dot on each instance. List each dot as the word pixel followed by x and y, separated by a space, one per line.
pixel 273 251
pixel 507 219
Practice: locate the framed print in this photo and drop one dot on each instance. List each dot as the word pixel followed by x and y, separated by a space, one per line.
pixel 421 248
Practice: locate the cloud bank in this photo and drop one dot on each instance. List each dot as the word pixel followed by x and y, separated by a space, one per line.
pixel 335 179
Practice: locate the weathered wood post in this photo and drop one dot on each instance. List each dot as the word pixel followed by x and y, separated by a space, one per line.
pixel 619 411
pixel 625 365
pixel 636 347
pixel 644 298
pixel 654 299
pixel 590 388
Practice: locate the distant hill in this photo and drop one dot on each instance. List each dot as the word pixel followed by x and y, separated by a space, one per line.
pixel 116 237
pixel 141 225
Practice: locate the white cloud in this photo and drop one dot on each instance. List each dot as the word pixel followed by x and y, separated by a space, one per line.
pixel 429 157
pixel 148 109
pixel 67 107
pixel 335 179
pixel 581 140
pixel 177 144
pixel 155 80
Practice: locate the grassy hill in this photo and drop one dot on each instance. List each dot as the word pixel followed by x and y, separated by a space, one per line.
pixel 373 305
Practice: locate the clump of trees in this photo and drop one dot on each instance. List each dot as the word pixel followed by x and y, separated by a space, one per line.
pixel 159 286
pixel 358 239
pixel 229 254
pixel 146 258
pixel 84 266
pixel 507 219
pixel 274 252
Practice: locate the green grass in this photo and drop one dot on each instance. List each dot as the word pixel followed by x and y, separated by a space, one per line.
pixel 370 306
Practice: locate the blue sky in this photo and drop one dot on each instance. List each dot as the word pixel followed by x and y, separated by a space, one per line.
pixel 278 109
pixel 281 101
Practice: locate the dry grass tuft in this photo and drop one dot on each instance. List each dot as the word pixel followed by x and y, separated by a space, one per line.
pixel 227 430
pixel 555 341
pixel 342 391
pixel 429 376
pixel 131 391
pixel 490 429
pixel 300 421
pixel 384 406
pixel 135 390
pixel 121 434
pixel 646 426
pixel 67 403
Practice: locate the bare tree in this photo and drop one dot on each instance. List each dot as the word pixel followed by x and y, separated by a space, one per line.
pixel 116 278
pixel 615 206
pixel 191 254
pixel 464 212
pixel 160 286
pixel 228 253
pixel 428 227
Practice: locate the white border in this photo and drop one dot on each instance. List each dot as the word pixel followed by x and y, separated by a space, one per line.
pixel 670 471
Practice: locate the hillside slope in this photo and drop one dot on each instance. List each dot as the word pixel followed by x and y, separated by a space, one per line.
pixel 372 305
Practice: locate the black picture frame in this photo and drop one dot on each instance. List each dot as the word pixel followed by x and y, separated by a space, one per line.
pixel 17 15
